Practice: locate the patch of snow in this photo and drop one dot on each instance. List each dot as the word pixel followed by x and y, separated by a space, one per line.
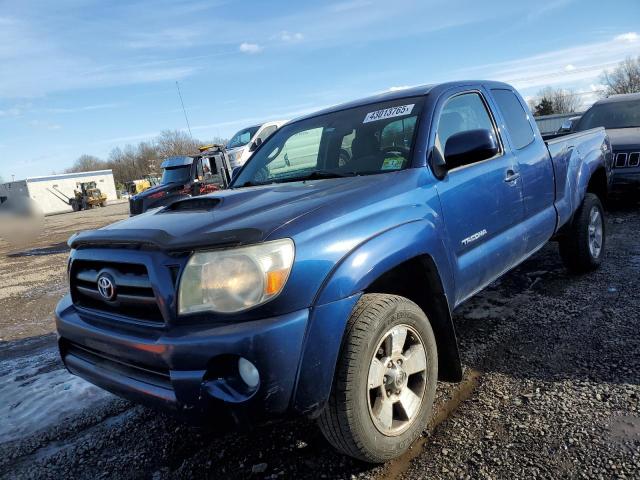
pixel 37 392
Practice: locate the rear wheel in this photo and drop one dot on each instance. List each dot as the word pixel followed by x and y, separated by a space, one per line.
pixel 385 380
pixel 582 249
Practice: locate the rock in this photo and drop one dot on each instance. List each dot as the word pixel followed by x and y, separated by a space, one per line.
pixel 259 468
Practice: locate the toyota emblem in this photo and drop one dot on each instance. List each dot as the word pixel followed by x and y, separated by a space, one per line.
pixel 106 287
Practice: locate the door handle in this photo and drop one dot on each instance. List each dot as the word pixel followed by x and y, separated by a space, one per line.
pixel 511 176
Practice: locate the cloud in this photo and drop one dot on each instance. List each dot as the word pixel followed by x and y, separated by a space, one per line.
pixel 250 48
pixel 37 61
pixel 291 37
pixel 85 108
pixel 45 125
pixel 628 37
pixel 167 38
pixel 349 5
pixel 548 7
pixel 398 88
pixel 587 62
pixel 11 112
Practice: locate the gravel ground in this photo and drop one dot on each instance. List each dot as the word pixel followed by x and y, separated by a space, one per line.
pixel 33 275
pixel 551 389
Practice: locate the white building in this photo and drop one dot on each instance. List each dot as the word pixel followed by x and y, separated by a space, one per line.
pixel 50 192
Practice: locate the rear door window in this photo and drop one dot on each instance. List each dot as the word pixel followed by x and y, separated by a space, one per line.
pixel 515 116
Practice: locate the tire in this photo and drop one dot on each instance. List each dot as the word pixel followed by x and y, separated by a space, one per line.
pixel 582 249
pixel 353 421
pixel 74 206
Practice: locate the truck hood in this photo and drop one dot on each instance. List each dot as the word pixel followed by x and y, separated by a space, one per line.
pixel 167 187
pixel 624 138
pixel 235 217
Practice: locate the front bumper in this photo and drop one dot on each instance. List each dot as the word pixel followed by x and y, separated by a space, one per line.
pixel 189 368
pixel 625 180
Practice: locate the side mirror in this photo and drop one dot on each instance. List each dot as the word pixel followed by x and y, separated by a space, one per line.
pixel 566 126
pixel 256 143
pixel 234 172
pixel 468 147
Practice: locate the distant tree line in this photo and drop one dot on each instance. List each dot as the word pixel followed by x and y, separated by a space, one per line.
pixel 625 78
pixel 133 162
pixel 555 100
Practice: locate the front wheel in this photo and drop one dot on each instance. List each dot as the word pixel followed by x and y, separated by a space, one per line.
pixel 385 380
pixel 582 249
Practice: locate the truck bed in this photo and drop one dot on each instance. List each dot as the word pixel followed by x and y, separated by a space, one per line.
pixel 574 158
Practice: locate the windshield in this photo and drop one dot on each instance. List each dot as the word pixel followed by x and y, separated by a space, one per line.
pixel 375 138
pixel 243 137
pixel 176 174
pixel 611 115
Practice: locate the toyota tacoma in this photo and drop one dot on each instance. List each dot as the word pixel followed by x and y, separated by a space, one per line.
pixel 324 286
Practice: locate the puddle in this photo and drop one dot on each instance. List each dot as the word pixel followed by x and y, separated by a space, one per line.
pixel 37 392
pixel 37 252
pixel 625 428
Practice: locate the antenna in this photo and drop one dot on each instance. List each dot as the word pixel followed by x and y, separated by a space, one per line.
pixel 184 110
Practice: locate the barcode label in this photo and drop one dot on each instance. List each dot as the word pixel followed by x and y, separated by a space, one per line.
pixel 389 113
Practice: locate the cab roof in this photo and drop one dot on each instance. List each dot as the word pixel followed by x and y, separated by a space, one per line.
pixel 399 93
pixel 179 161
pixel 621 97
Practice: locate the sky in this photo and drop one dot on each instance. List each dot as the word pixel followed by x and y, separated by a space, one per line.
pixel 84 76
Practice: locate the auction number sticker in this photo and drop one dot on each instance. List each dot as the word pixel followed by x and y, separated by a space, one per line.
pixel 389 113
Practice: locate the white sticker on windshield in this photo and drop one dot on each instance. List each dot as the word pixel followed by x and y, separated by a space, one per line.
pixel 389 113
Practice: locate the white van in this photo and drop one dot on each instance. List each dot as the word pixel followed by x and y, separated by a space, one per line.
pixel 243 143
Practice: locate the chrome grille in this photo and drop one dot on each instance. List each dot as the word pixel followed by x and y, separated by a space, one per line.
pixel 133 294
pixel 627 160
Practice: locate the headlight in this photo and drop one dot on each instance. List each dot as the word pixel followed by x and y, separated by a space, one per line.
pixel 235 157
pixel 229 281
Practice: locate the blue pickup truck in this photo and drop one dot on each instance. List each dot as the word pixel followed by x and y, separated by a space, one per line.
pixel 321 284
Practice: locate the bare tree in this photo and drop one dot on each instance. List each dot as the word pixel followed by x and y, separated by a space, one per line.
pixel 625 78
pixel 133 162
pixel 87 163
pixel 175 142
pixel 556 100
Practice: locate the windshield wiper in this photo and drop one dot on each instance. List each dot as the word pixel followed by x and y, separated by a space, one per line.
pixel 318 175
pixel 249 183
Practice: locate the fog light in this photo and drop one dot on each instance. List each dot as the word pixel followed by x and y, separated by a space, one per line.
pixel 248 372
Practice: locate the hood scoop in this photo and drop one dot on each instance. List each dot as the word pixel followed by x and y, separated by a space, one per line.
pixel 198 204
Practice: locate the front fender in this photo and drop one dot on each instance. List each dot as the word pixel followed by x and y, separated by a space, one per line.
pixel 381 253
pixel 341 291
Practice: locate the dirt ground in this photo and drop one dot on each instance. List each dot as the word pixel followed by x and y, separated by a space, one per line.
pixel 33 275
pixel 551 389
